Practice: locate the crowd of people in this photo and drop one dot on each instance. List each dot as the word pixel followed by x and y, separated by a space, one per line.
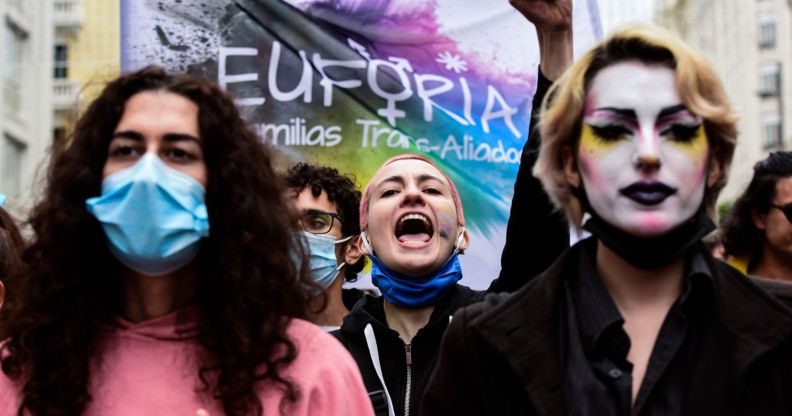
pixel 169 269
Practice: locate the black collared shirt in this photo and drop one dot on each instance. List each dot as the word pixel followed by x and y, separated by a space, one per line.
pixel 598 376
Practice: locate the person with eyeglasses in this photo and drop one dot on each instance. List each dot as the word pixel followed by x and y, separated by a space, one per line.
pixel 328 206
pixel 757 232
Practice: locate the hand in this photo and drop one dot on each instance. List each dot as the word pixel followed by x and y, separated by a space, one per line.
pixel 553 22
pixel 546 15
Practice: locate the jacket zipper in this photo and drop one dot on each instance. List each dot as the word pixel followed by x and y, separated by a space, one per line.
pixel 408 357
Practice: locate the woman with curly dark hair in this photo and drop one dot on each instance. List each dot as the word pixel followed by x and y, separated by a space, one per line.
pixel 11 244
pixel 161 277
pixel 757 232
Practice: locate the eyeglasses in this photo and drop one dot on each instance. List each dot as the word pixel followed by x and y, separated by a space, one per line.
pixel 318 222
pixel 786 209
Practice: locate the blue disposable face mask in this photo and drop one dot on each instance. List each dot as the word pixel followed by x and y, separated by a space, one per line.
pixel 154 216
pixel 322 257
pixel 415 291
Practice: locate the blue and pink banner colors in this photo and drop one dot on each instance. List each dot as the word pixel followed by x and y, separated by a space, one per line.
pixel 349 83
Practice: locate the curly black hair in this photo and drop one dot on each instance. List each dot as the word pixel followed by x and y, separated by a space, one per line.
pixel 11 246
pixel 341 190
pixel 741 238
pixel 247 285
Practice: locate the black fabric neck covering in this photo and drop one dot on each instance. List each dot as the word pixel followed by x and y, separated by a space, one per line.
pixel 649 253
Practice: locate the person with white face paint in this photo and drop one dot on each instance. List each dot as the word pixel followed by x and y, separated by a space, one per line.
pixel 160 278
pixel 638 319
pixel 413 230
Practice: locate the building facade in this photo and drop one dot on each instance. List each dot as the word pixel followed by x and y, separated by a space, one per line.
pixel 57 55
pixel 614 13
pixel 86 58
pixel 749 44
pixel 25 97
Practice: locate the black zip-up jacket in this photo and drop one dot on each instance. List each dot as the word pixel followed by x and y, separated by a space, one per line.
pixel 406 368
pixel 504 356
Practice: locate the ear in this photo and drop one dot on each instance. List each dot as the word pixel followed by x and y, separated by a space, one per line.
pixel 361 248
pixel 465 241
pixel 2 294
pixel 352 253
pixel 715 170
pixel 571 171
pixel 758 219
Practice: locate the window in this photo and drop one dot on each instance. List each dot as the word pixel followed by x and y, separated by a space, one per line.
pixel 767 34
pixel 61 63
pixel 15 41
pixel 770 83
pixel 13 152
pixel 771 131
pixel 58 135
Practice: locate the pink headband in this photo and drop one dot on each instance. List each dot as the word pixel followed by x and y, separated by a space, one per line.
pixel 364 201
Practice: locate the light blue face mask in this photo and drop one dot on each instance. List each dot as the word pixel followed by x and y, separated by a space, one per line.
pixel 2 200
pixel 154 216
pixel 322 257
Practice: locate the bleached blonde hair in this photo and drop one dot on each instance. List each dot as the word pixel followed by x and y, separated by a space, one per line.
pixel 699 89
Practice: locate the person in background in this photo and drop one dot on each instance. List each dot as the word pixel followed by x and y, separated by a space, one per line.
pixel 639 319
pixel 11 245
pixel 328 205
pixel 714 243
pixel 757 231
pixel 160 278
pixel 413 230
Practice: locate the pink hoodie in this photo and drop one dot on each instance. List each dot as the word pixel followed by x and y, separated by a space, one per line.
pixel 151 368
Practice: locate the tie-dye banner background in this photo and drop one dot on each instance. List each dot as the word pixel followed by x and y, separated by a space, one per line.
pixel 349 83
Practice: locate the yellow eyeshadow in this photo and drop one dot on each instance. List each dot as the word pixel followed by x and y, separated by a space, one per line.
pixel 591 141
pixel 696 146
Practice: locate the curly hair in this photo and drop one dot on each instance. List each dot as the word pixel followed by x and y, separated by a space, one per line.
pixel 341 190
pixel 246 286
pixel 741 238
pixel 11 245
pixel 699 88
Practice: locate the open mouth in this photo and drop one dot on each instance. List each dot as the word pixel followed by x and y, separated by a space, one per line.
pixel 414 229
pixel 648 193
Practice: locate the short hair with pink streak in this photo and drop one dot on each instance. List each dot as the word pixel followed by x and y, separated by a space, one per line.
pixel 364 201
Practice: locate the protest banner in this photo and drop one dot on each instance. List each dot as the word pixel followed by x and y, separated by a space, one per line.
pixel 349 83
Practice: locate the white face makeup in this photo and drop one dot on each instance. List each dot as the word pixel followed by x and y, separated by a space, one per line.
pixel 412 222
pixel 642 155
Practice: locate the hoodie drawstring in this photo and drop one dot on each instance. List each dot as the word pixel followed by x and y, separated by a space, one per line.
pixel 371 342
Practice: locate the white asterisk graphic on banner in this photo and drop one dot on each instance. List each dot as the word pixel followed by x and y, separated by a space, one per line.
pixel 452 62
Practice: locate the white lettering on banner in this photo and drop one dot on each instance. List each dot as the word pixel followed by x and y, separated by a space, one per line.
pixel 467 150
pixel 428 87
pixel 328 83
pixel 298 132
pixel 400 66
pixel 303 88
pixel 223 79
pixel 506 112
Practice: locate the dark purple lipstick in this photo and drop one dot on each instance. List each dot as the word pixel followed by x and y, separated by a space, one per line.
pixel 648 193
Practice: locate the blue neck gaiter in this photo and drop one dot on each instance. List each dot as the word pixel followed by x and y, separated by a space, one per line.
pixel 414 291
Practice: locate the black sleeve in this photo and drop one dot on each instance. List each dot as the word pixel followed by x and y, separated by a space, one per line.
pixel 536 233
pixel 455 386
